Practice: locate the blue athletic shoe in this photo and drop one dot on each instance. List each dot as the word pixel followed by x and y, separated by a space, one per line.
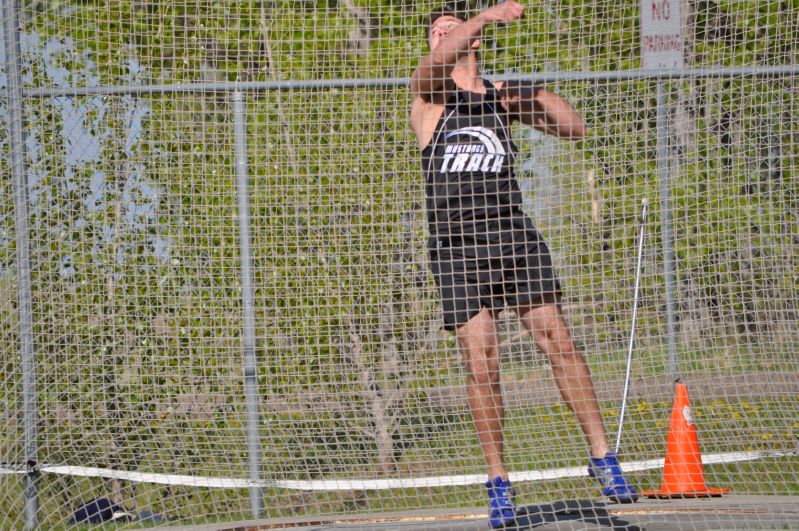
pixel 502 510
pixel 608 471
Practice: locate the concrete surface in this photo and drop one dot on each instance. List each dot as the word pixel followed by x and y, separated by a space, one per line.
pixel 722 513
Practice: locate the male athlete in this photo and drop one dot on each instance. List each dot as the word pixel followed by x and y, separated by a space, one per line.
pixel 485 252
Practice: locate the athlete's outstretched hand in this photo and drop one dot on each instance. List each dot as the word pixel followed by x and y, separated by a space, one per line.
pixel 502 13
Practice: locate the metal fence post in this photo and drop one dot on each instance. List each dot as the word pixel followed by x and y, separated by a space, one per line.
pixel 16 127
pixel 667 231
pixel 247 301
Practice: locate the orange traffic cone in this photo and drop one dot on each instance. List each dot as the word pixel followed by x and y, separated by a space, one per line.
pixel 683 475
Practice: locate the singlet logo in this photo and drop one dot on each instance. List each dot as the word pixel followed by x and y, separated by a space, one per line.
pixel 487 156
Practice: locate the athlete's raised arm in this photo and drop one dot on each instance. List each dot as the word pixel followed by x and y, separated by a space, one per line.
pixel 450 39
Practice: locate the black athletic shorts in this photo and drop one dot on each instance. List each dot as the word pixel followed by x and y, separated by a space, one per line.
pixel 493 264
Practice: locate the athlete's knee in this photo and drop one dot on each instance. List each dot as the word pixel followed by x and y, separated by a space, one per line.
pixel 554 337
pixel 481 362
pixel 482 371
pixel 478 344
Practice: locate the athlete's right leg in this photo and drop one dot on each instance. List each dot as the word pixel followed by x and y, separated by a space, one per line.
pixel 459 282
pixel 479 345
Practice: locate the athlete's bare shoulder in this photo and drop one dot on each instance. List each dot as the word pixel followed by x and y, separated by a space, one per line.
pixel 424 119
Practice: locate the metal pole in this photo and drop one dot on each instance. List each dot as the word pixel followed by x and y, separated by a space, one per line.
pixel 247 301
pixel 644 204
pixel 16 126
pixel 226 87
pixel 667 232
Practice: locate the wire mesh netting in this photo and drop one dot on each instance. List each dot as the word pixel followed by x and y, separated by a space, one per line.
pixel 151 328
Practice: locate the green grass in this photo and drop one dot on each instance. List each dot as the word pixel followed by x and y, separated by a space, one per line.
pixel 536 439
pixel 724 426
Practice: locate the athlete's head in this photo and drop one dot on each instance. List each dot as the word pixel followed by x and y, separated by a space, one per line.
pixel 443 11
pixel 440 23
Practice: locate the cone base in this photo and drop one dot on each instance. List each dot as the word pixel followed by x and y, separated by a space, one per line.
pixel 703 493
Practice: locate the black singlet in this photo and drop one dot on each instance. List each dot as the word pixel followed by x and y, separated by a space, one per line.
pixel 469 165
pixel 484 251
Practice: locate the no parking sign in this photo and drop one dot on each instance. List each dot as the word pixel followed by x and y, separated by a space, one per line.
pixel 661 34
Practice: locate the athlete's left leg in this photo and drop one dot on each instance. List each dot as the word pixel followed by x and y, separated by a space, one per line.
pixel 572 375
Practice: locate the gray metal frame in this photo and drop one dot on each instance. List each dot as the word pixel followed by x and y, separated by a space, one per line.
pixel 543 77
pixel 16 128
pixel 247 300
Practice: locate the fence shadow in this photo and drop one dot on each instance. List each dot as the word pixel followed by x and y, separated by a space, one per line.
pixel 575 511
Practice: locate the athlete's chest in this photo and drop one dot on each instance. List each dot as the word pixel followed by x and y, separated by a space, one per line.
pixel 473 136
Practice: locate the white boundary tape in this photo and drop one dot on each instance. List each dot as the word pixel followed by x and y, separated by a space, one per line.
pixel 369 484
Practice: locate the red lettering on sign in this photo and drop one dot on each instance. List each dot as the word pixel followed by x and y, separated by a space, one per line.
pixel 661 43
pixel 661 10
